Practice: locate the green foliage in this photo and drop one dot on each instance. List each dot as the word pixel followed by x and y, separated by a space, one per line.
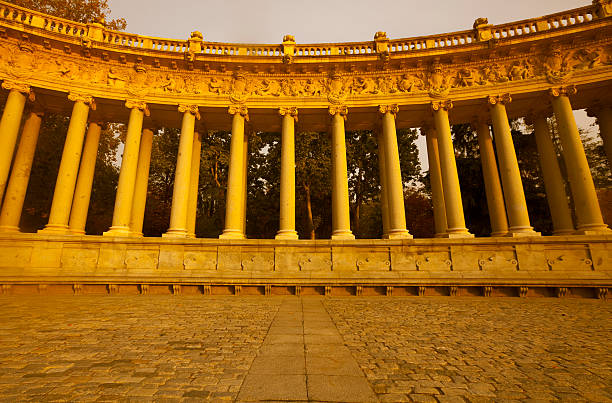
pixel 83 11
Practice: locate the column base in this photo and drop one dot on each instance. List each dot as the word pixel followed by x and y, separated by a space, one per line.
pixel 440 235
pixel 176 233
pixel 520 232
pixel 564 232
pixel 342 234
pixel 192 236
pixel 54 229
pixel 136 234
pixel 120 231
pixel 499 234
pixel 232 234
pixel 399 234
pixel 597 229
pixel 76 231
pixel 9 229
pixel 457 233
pixel 286 234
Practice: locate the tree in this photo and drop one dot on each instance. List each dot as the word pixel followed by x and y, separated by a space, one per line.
pixel 83 11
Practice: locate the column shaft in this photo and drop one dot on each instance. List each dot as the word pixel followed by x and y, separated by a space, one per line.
pixel 142 181
pixel 233 204
pixel 82 192
pixel 182 179
pixel 514 196
pixel 341 218
pixel 395 194
pixel 245 172
pixel 127 175
pixel 20 175
pixel 384 199
pixel 194 185
pixel 287 178
pixel 450 179
pixel 588 213
pixel 493 189
pixel 553 180
pixel 435 180
pixel 9 130
pixel 68 169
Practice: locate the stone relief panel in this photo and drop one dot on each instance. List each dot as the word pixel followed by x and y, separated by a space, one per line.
pixel 81 258
pixel 314 261
pixel 141 259
pixel 200 260
pixel 12 257
pixel 570 258
pixel 257 261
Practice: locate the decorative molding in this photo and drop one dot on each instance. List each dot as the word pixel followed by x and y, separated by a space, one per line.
pixel 193 109
pixel 140 105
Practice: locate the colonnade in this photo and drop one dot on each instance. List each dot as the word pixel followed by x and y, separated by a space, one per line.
pixel 502 181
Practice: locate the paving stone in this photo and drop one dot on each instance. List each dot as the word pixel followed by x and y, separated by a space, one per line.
pixel 340 389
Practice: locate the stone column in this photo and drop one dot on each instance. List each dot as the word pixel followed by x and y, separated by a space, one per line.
pixel 435 179
pixel 393 174
pixel 127 175
pixel 69 165
pixel 448 167
pixel 493 189
pixel 142 181
pixel 604 120
pixel 384 200
pixel 553 180
pixel 82 192
pixel 9 126
pixel 182 176
pixel 194 186
pixel 233 205
pixel 341 218
pixel 588 213
pixel 20 175
pixel 245 173
pixel 514 196
pixel 287 178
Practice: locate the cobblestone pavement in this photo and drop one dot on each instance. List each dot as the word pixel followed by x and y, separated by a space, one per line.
pixel 193 348
pixel 480 349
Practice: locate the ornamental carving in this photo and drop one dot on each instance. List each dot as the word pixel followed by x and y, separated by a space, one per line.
pixel 240 110
pixel 337 91
pixel 140 105
pixel 437 82
pixel 193 109
pixel 556 66
pixel 503 99
pixel 341 110
pixel 566 90
pixel 86 99
pixel 288 111
pixel 392 109
pixel 21 87
pixel 240 89
pixel 445 105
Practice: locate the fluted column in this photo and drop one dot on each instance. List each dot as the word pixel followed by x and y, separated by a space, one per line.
pixel 384 200
pixel 9 126
pixel 182 176
pixel 142 182
pixel 553 180
pixel 233 204
pixel 450 179
pixel 127 175
pixel 395 192
pixel 493 189
pixel 287 177
pixel 604 120
pixel 341 218
pixel 514 196
pixel 588 213
pixel 194 185
pixel 20 175
pixel 435 180
pixel 82 192
pixel 69 165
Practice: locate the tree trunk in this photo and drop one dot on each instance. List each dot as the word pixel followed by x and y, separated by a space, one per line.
pixel 309 210
pixel 357 217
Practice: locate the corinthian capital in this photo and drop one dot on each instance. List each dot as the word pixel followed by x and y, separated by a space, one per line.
pixel 392 109
pixel 193 109
pixel 239 109
pixel 446 105
pixel 342 110
pixel 86 99
pixel 566 90
pixel 503 99
pixel 140 105
pixel 289 111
